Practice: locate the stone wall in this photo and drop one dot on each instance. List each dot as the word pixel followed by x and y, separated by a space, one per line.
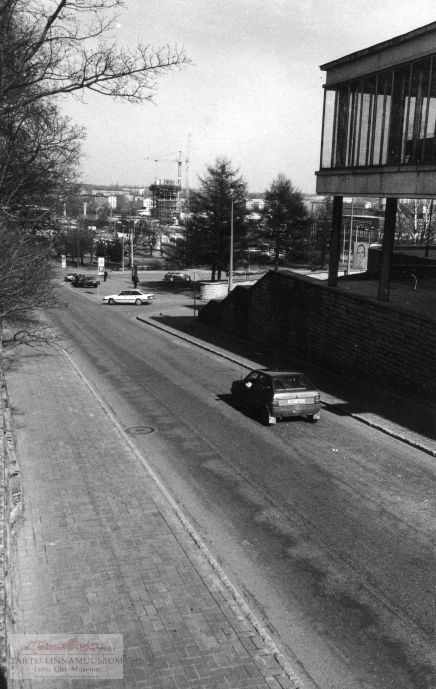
pixel 213 290
pixel 354 335
pixel 217 289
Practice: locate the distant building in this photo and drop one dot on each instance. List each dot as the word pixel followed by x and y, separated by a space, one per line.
pixel 147 203
pixel 255 204
pixel 165 201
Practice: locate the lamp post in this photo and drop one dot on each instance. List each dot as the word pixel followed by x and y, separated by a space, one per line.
pixel 230 287
pixel 132 237
pixel 195 301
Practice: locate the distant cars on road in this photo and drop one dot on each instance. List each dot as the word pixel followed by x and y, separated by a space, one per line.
pixel 129 296
pixel 69 277
pixel 277 395
pixel 177 276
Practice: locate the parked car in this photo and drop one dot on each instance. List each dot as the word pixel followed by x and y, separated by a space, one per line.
pixel 85 281
pixel 276 395
pixel 129 296
pixel 69 277
pixel 177 276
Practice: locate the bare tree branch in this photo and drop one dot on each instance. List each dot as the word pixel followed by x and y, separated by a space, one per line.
pixel 52 47
pixel 49 48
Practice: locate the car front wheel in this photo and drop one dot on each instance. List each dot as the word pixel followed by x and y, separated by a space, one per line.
pixel 138 302
pixel 111 301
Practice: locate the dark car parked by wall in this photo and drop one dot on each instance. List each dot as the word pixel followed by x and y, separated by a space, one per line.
pixel 276 395
pixel 85 281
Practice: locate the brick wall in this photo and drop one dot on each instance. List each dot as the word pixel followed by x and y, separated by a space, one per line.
pixel 354 335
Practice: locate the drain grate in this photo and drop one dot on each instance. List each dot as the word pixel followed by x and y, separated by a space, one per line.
pixel 140 430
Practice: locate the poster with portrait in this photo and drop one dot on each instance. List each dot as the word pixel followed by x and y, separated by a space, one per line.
pixel 360 255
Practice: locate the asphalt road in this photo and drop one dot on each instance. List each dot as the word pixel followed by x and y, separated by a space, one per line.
pixel 327 530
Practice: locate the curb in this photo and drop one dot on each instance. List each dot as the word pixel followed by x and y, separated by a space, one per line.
pixel 413 440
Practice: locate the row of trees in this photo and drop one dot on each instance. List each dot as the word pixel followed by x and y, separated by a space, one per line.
pixel 222 194
pixel 49 49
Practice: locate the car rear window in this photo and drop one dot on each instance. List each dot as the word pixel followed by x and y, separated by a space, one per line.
pixel 291 382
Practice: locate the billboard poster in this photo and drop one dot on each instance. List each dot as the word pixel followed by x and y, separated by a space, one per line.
pixel 63 261
pixel 100 263
pixel 360 255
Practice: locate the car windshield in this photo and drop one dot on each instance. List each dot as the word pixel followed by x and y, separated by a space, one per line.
pixel 291 381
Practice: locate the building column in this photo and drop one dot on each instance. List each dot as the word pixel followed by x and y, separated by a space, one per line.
pixel 335 243
pixel 388 247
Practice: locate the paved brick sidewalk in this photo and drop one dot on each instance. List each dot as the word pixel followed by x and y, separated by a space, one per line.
pixel 99 548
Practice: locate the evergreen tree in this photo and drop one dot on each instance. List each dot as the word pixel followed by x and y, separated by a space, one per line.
pixel 285 217
pixel 208 228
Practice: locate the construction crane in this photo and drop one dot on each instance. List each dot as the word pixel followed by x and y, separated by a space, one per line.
pixel 188 156
pixel 172 160
pixel 179 161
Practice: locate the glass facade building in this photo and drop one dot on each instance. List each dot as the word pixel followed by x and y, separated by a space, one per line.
pixel 387 118
pixel 379 120
pixel 378 137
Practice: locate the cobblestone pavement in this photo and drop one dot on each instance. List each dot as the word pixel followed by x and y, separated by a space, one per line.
pixel 100 549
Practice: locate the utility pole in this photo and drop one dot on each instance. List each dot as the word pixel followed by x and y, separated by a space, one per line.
pixel 132 236
pixel 230 287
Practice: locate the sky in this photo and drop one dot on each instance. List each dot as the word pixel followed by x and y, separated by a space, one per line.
pixel 252 94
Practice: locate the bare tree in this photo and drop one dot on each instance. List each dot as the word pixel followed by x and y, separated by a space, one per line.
pixel 49 48
pixel 24 284
pixel 52 47
pixel 40 151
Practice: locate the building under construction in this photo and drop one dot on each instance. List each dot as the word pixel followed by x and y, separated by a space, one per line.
pixel 166 201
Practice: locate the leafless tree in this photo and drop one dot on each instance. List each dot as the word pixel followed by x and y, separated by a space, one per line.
pixel 39 153
pixel 49 48
pixel 24 285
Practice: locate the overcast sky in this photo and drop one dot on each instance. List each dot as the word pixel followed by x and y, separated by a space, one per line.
pixel 253 93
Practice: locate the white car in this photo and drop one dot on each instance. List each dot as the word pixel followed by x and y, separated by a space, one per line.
pixel 129 296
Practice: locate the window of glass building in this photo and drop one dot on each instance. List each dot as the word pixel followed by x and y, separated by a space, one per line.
pixel 386 118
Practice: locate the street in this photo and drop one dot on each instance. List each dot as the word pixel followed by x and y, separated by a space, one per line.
pixel 327 530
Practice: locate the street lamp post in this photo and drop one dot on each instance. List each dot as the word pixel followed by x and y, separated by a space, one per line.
pixel 230 287
pixel 132 236
pixel 195 301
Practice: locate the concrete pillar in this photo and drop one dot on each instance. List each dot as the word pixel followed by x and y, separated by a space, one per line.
pixel 335 243
pixel 388 247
